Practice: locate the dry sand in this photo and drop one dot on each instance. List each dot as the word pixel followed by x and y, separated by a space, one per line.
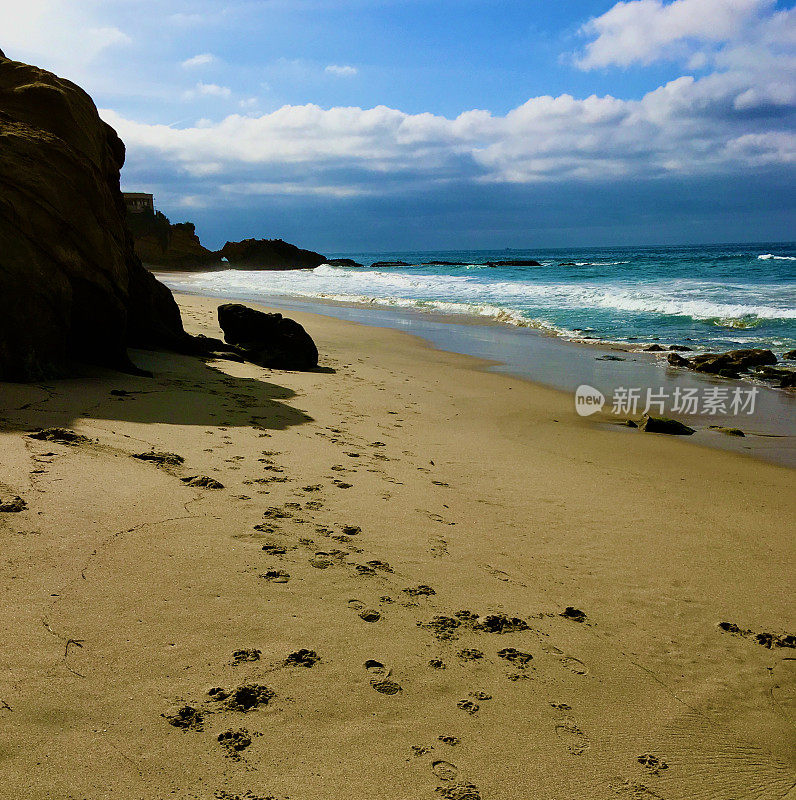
pixel 473 499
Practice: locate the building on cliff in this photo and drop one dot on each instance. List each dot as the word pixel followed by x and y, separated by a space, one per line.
pixel 138 202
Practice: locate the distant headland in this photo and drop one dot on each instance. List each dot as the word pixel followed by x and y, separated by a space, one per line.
pixel 164 245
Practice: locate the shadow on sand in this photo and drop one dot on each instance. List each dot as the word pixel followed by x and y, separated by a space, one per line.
pixel 184 391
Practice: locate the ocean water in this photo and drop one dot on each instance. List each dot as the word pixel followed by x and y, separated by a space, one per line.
pixel 713 297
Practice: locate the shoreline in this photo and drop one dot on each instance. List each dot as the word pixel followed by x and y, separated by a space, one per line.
pixel 410 529
pixel 549 360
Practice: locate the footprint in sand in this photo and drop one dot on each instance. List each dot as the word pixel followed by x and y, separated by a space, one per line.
pixel 234 742
pixel 12 504
pixel 386 686
pixel 276 576
pixel 439 547
pixel 302 658
pixel 573 738
pixel 655 764
pixel 469 706
pixel 380 679
pixel 321 561
pixel 419 591
pixel 444 770
pixel 369 615
pixel 575 665
pixel 470 654
pixel 459 791
pixel 202 482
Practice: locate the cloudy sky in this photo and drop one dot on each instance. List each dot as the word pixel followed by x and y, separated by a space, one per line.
pixel 371 125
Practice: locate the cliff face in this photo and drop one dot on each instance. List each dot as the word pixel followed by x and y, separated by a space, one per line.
pixel 71 286
pixel 160 243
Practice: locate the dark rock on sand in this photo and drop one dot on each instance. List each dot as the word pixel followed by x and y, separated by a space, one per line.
pixel 269 254
pixel 664 425
pixel 654 348
pixel 677 361
pixel 269 340
pixel 71 286
pixel 783 378
pixel 790 355
pixel 680 347
pixel 727 431
pixel 575 614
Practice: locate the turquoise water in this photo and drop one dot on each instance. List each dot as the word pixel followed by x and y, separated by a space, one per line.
pixel 708 297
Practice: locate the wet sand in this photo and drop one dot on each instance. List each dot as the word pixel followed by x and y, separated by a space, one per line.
pixel 373 602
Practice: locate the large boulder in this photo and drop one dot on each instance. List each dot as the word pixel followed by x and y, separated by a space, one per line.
pixel 269 254
pixel 269 340
pixel 71 286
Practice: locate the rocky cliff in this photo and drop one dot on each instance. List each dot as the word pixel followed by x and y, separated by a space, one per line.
pixel 167 245
pixel 161 244
pixel 71 286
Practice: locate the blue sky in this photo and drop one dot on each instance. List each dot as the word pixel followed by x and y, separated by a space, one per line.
pixel 348 125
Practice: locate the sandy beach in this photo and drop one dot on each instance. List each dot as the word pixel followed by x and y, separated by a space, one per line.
pixel 354 583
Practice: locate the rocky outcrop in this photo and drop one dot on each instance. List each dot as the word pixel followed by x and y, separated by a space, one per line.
pixel 269 340
pixel 754 362
pixel 165 245
pixel 732 363
pixel 527 262
pixel 391 264
pixel 71 286
pixel 343 262
pixel 269 254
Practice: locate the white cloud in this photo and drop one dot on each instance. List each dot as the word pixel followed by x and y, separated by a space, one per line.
pixel 724 123
pixel 642 31
pixel 341 70
pixel 200 60
pixel 62 36
pixel 207 90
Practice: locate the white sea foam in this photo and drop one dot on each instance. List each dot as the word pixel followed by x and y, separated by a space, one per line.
pixel 770 256
pixel 723 305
